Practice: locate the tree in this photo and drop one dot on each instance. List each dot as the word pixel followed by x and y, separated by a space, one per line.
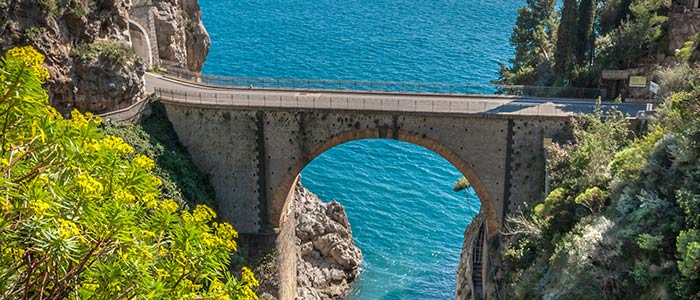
pixel 81 216
pixel 586 36
pixel 532 39
pixel 566 40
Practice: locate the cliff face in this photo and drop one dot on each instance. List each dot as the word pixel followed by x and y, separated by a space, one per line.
pixel 328 259
pixel 181 35
pixel 87 45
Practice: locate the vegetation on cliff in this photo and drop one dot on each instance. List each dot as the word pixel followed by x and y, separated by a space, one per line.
pixel 155 137
pixel 82 216
pixel 572 46
pixel 622 220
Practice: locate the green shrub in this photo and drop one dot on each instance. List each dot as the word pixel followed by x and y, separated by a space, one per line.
pixel 81 216
pixel 114 51
pixel 156 138
pixel 593 199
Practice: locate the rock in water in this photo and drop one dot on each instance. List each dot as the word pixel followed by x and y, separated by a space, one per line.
pixel 328 260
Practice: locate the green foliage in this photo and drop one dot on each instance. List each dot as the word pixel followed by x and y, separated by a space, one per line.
pixel 533 40
pixel 593 198
pixel 33 34
pixel 678 78
pixel 649 242
pixel 689 248
pixel 646 245
pixel 156 138
pixel 590 36
pixel 116 52
pixel 80 8
pixel 81 215
pixel 639 37
pixel 585 43
pixel 461 184
pixel 566 39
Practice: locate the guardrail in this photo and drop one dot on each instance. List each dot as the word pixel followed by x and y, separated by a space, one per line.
pixel 386 86
pixel 375 103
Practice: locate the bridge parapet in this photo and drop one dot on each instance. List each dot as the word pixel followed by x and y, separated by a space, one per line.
pixel 377 102
pixel 389 86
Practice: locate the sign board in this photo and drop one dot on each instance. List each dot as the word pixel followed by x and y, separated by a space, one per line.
pixel 616 74
pixel 654 87
pixel 638 81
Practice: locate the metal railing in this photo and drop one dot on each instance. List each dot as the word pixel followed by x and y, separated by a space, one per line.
pixel 385 86
pixel 375 103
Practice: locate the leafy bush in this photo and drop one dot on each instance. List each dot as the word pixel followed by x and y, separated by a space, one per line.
pixel 114 51
pixel 156 138
pixel 81 216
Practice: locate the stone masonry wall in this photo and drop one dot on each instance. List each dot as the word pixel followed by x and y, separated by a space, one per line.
pixel 528 158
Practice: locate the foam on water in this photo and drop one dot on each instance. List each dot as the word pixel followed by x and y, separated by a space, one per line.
pixel 398 196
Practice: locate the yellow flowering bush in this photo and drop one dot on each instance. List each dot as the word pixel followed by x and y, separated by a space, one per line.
pixel 81 216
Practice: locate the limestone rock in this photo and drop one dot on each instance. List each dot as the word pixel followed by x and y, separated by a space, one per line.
pixel 87 46
pixel 328 260
pixel 182 38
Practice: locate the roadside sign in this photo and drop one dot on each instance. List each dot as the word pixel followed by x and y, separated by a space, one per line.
pixel 654 87
pixel 638 81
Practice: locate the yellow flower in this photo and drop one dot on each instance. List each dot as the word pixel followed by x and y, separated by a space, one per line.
pixel 162 273
pixel 227 235
pixel 156 181
pixel 89 184
pixel 117 144
pixel 68 228
pixel 187 217
pixel 148 233
pixel 150 200
pixel 203 213
pixel 247 277
pixel 124 196
pixel 169 206
pixel 39 207
pixel 77 119
pixel 5 204
pixel 89 286
pixel 31 58
pixel 210 240
pixel 144 162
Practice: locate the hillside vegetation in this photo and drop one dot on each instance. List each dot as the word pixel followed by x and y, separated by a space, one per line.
pixel 83 216
pixel 622 219
pixel 573 45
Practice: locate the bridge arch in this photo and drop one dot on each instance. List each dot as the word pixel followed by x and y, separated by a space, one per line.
pixel 281 200
pixel 141 42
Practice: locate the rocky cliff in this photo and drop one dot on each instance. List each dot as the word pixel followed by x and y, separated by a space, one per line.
pixel 87 45
pixel 181 36
pixel 320 253
pixel 328 260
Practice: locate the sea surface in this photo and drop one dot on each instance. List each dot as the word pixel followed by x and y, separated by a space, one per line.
pixel 404 215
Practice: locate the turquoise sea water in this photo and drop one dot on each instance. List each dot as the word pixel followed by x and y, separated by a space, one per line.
pixel 398 196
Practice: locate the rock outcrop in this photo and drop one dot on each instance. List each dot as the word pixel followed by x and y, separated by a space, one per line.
pixel 182 38
pixel 87 45
pixel 328 260
pixel 466 289
pixel 682 27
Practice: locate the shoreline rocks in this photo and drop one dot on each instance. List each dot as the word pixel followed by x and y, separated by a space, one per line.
pixel 327 259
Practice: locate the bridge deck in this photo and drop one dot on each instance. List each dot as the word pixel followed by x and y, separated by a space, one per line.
pixel 189 92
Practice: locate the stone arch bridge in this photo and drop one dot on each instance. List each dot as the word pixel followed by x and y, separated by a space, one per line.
pixel 254 142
